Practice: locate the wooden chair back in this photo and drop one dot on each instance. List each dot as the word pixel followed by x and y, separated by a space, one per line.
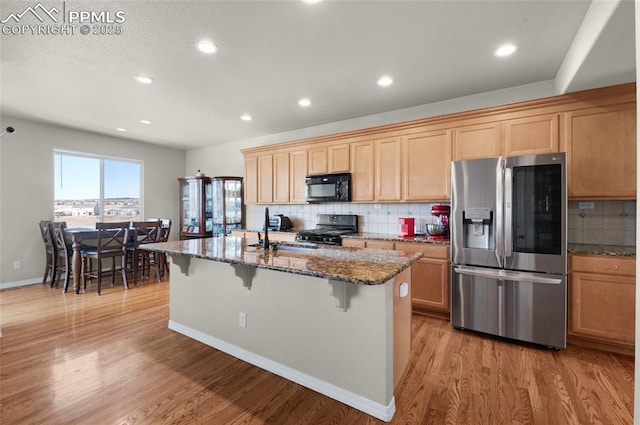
pixel 47 238
pixel 59 238
pixel 146 232
pixel 112 237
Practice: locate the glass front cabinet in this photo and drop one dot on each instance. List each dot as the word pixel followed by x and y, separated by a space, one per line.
pixel 196 207
pixel 227 205
pixel 210 206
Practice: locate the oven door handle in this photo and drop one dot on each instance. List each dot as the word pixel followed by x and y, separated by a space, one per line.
pixel 507 275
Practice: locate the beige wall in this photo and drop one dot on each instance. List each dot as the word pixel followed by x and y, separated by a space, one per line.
pixel 26 186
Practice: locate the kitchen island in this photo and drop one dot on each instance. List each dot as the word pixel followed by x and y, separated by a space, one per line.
pixel 335 320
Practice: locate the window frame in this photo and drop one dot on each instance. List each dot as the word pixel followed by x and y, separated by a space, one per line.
pixel 102 159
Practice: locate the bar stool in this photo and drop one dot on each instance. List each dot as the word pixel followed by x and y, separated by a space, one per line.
pixel 145 232
pixel 64 252
pixel 112 243
pixel 50 252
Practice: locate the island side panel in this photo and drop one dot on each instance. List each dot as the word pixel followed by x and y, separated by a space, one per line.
pixel 293 320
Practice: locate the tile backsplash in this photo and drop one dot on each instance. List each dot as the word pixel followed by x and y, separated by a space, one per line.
pixel 372 218
pixel 609 222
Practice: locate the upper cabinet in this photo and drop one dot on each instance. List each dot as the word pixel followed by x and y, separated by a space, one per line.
pixel 318 163
pixel 339 158
pixel 477 141
pixel 251 180
pixel 362 172
pixel 531 135
pixel 411 162
pixel 297 173
pixel 427 166
pixel 388 171
pixel 601 150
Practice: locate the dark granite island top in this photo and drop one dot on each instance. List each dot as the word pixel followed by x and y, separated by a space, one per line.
pixel 354 265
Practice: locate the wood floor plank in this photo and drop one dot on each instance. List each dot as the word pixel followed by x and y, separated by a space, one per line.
pixel 84 359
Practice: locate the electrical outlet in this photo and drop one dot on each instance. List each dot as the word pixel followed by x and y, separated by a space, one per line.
pixel 17 265
pixel 243 320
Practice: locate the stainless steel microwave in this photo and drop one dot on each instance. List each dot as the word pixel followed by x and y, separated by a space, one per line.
pixel 328 187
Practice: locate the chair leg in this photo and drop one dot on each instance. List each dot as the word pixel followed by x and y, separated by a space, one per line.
pixel 124 271
pixel 47 269
pixel 157 264
pixel 54 270
pixel 67 272
pixel 99 275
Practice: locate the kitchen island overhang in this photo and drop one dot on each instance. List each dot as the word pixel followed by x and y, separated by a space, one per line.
pixel 308 316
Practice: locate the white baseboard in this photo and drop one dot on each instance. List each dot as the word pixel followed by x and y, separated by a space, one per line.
pixel 377 410
pixel 18 283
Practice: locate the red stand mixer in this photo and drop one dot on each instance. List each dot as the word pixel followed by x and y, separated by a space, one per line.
pixel 439 229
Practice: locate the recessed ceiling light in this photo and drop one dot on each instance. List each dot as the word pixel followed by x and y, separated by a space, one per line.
pixel 143 79
pixel 385 81
pixel 506 50
pixel 246 117
pixel 145 121
pixel 206 46
pixel 304 102
pixel 121 129
pixel 312 1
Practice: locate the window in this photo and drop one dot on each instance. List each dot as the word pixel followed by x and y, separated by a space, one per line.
pixel 92 188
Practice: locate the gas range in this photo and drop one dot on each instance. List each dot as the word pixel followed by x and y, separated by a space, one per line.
pixel 329 229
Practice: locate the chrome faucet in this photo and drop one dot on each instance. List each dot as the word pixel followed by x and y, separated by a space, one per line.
pixel 265 241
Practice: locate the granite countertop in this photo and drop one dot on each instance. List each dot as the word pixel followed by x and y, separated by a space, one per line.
pixel 395 238
pixel 355 265
pixel 613 250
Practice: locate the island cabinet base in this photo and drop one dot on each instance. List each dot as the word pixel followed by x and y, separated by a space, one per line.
pixel 333 337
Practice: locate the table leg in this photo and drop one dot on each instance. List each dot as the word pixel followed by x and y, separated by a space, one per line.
pixel 77 266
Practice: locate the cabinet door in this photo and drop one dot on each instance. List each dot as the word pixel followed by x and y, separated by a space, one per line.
pixel 602 306
pixel 353 243
pixel 265 179
pixel 477 141
pixel 298 169
pixel 427 166
pixel 532 135
pixel 362 175
pixel 601 147
pixel 281 178
pixel 251 180
pixel 388 172
pixel 374 244
pixel 338 158
pixel 430 279
pixel 318 160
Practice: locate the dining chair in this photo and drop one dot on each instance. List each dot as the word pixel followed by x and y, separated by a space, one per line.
pixel 145 232
pixel 165 231
pixel 111 244
pixel 50 252
pixel 64 253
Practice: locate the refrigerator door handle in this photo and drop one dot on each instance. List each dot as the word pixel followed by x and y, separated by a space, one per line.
pixel 508 212
pixel 499 249
pixel 506 275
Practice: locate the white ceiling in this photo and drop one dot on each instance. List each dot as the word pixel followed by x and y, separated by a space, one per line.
pixel 271 53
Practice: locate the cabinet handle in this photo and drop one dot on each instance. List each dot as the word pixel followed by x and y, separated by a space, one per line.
pixel 614 267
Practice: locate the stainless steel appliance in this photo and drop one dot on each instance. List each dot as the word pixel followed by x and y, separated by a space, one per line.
pixel 279 223
pixel 328 188
pixel 329 229
pixel 509 247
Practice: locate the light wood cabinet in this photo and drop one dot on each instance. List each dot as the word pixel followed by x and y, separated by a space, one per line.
pixel 281 178
pixel 477 141
pixel 427 166
pixel 388 171
pixel 602 302
pixel 338 158
pixel 601 149
pixel 251 180
pixel 353 243
pixel 318 160
pixel 362 172
pixel 368 243
pixel 298 171
pixel 265 179
pixel 532 135
pixel 429 278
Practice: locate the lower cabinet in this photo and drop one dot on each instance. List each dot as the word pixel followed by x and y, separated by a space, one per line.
pixel 602 302
pixel 429 278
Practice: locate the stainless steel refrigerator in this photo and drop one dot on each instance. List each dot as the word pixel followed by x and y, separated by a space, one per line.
pixel 509 247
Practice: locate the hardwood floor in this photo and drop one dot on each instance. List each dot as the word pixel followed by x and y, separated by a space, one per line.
pixel 84 359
